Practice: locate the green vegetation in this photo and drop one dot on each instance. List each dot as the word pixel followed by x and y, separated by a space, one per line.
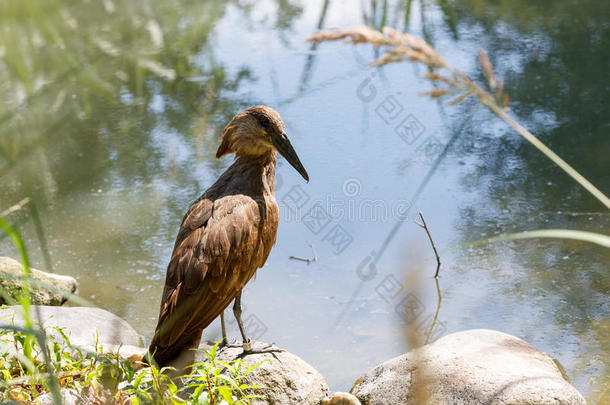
pixel 450 82
pixel 82 85
pixel 89 85
pixel 52 363
pixel 85 83
pixel 33 363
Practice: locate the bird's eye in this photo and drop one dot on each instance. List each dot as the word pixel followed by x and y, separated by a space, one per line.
pixel 265 123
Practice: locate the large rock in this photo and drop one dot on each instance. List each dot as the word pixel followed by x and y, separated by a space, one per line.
pixel 85 326
pixel 56 285
pixel 470 367
pixel 287 378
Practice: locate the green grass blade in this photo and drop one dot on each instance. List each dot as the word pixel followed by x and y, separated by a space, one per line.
pixel 591 237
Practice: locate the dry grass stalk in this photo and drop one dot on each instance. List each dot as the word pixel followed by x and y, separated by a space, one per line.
pixel 401 46
pixel 487 69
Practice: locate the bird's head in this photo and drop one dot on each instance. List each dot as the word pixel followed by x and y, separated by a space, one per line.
pixel 257 131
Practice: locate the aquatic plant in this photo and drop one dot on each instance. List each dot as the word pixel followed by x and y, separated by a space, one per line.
pixel 452 82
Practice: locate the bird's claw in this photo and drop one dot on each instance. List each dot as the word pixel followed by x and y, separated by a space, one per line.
pixel 270 348
pixel 248 349
pixel 225 344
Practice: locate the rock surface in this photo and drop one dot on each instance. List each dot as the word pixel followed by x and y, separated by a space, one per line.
pixel 11 271
pixel 469 367
pixel 288 379
pixel 84 325
pixel 341 398
pixel 69 396
pixel 132 354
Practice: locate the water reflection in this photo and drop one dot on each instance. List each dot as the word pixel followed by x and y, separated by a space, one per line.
pixel 552 60
pixel 109 123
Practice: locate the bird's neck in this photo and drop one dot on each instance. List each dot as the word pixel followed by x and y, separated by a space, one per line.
pixel 257 171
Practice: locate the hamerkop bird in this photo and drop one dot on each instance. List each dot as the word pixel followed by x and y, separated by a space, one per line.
pixel 225 236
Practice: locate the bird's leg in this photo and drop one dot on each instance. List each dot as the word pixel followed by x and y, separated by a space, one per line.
pixel 247 343
pixel 224 329
pixel 225 342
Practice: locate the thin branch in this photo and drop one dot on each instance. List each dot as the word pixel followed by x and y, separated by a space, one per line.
pixel 15 207
pixel 438 267
pixel 438 308
pixel 425 226
pixel 302 259
pixel 313 249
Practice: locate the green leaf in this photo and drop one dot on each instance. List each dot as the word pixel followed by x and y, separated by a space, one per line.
pixel 226 394
pixel 592 237
pixel 229 380
pixel 250 369
pixel 215 349
pixel 228 367
pixel 198 391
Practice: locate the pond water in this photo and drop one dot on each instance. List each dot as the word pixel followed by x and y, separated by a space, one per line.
pixel 109 123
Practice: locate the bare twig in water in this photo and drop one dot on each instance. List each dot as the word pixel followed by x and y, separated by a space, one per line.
pixel 15 207
pixel 438 259
pixel 302 259
pixel 438 308
pixel 438 267
pixel 313 249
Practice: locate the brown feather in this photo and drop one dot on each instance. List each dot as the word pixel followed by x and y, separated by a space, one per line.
pixel 225 236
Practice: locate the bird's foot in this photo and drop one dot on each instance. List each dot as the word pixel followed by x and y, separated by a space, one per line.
pixel 270 348
pixel 224 344
pixel 248 349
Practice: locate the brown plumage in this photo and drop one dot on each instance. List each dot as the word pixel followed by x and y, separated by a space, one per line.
pixel 226 235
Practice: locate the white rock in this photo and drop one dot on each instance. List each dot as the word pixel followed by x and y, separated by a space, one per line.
pixel 469 367
pixel 11 270
pixel 288 379
pixel 85 326
pixel 68 395
pixel 132 354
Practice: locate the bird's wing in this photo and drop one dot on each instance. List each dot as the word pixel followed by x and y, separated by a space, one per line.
pixel 220 245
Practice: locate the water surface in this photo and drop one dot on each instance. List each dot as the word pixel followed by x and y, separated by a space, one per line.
pixel 110 119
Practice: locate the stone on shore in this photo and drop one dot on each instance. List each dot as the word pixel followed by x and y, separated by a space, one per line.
pixel 85 326
pixel 68 395
pixel 470 367
pixel 341 398
pixel 57 285
pixel 288 379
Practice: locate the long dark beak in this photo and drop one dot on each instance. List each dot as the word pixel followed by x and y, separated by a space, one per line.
pixel 283 145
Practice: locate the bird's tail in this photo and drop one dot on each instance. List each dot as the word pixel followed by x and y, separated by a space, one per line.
pixel 162 356
pixel 159 356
